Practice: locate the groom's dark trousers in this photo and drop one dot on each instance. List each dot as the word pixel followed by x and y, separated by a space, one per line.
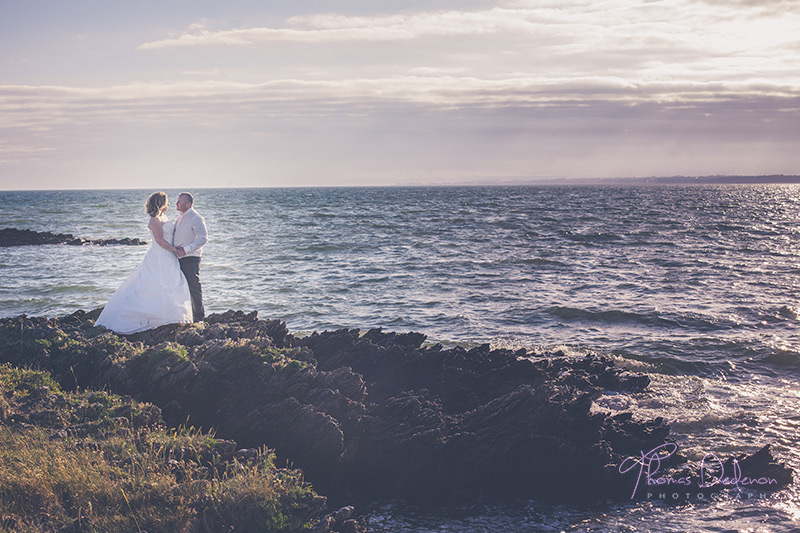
pixel 191 269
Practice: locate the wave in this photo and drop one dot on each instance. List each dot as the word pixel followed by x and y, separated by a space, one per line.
pixel 697 422
pixel 791 312
pixel 783 360
pixel 592 238
pixel 313 248
pixel 534 261
pixel 613 316
pixel 654 319
pixel 722 227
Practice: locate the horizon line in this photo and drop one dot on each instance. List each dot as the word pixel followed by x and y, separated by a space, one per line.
pixel 713 179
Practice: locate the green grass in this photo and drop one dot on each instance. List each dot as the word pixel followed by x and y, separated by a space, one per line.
pixel 234 356
pixel 92 461
pixel 17 381
pixel 172 349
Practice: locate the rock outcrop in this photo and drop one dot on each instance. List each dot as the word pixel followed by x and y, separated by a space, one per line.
pixel 375 414
pixel 26 237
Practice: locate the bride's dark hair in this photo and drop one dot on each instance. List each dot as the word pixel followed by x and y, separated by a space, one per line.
pixel 155 203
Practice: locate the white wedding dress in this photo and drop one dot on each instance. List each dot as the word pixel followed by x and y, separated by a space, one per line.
pixel 155 293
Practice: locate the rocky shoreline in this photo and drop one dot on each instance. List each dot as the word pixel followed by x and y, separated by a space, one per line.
pixel 372 414
pixel 25 237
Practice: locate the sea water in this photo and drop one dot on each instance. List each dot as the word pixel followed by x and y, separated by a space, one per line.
pixel 696 286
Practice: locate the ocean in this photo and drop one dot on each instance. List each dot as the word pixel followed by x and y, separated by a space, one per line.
pixel 696 286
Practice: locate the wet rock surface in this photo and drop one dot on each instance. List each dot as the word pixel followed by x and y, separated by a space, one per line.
pixel 26 237
pixel 373 415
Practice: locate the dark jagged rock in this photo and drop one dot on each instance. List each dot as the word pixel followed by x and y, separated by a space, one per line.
pixel 378 414
pixel 26 237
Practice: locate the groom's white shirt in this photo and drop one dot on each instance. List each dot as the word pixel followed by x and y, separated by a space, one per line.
pixel 190 233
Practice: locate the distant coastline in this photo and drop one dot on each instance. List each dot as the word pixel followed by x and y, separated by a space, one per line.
pixel 699 180
pixel 772 179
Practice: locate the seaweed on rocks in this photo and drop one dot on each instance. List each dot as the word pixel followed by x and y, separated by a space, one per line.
pixel 375 414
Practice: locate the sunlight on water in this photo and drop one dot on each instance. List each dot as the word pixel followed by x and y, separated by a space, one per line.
pixel 792 508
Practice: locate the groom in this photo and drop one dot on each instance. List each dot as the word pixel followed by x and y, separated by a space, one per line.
pixel 189 237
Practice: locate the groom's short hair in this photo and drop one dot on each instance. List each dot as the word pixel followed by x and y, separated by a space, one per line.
pixel 188 196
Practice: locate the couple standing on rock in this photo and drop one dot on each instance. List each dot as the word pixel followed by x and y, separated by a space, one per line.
pixel 165 287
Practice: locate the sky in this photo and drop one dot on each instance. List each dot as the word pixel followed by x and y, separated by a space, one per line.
pixel 244 93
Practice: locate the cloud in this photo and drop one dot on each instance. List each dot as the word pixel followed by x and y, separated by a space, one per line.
pixel 10 152
pixel 693 41
pixel 36 106
pixel 442 109
pixel 584 26
pixel 324 28
pixel 334 132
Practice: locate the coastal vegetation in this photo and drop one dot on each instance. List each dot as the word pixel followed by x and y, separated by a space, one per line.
pixel 95 461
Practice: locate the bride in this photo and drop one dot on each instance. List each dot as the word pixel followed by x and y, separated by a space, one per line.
pixel 156 292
